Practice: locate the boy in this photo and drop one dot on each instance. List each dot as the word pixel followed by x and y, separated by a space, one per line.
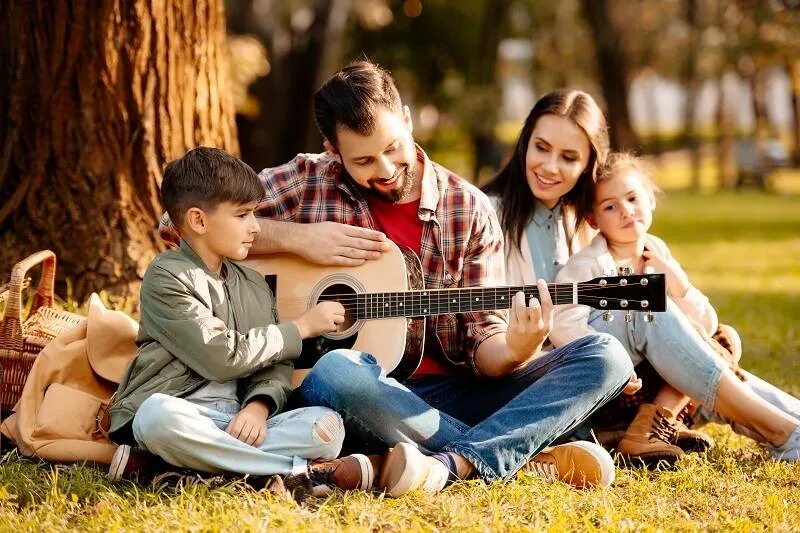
pixel 213 367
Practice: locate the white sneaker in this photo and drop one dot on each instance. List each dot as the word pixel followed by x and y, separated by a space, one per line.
pixel 406 469
pixel 580 464
pixel 788 451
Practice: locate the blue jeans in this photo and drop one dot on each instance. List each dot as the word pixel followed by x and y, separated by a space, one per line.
pixel 674 348
pixel 189 435
pixel 497 424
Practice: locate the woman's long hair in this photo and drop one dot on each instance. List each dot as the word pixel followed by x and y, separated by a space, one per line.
pixel 511 185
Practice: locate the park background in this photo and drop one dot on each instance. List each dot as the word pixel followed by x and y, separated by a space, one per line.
pixel 96 96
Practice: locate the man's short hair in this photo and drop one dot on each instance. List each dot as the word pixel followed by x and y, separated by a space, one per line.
pixel 206 177
pixel 352 98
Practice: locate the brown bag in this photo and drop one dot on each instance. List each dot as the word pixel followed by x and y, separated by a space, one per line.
pixel 21 341
pixel 62 412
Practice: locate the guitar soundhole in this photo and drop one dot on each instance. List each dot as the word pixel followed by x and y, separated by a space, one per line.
pixel 346 296
pixel 343 337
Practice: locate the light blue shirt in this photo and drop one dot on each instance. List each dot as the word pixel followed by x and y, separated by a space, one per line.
pixel 547 241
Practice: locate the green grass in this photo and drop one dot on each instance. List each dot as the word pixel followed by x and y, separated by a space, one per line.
pixel 743 250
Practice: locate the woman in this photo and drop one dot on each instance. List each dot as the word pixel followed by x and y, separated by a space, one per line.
pixel 563 143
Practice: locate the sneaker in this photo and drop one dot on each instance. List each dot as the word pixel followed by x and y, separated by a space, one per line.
pixel 648 439
pixel 356 471
pixel 580 464
pixel 788 451
pixel 406 469
pixel 129 462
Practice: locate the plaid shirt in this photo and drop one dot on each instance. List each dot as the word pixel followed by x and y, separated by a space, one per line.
pixel 462 243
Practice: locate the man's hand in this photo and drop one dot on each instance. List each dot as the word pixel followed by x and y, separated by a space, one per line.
pixel 249 425
pixel 322 318
pixel 322 243
pixel 529 326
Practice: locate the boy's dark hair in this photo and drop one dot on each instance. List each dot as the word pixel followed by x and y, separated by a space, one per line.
pixel 352 98
pixel 206 177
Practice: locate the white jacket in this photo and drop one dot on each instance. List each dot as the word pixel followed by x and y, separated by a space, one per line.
pixel 571 321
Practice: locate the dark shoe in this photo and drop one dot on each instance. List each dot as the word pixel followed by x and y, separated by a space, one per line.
pixel 356 471
pixel 129 462
pixel 649 438
pixel 691 440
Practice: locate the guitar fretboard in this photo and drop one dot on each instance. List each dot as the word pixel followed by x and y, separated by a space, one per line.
pixel 445 301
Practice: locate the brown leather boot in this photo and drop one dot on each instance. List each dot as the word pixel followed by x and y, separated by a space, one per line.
pixel 691 440
pixel 647 440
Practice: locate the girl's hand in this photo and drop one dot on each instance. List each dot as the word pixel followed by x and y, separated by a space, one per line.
pixel 249 425
pixel 633 386
pixel 677 281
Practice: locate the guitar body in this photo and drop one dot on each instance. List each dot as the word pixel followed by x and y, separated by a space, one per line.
pixel 396 343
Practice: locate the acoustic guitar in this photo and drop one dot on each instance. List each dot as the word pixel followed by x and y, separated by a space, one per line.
pixel 386 303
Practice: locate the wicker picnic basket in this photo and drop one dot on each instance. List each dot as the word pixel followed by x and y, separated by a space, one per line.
pixel 21 342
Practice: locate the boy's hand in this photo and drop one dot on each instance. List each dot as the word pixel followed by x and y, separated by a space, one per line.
pixel 249 425
pixel 529 326
pixel 322 318
pixel 677 282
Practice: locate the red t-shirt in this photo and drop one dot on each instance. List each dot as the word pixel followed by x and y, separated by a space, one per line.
pixel 401 223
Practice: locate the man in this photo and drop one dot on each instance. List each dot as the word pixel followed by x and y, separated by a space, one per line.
pixel 486 399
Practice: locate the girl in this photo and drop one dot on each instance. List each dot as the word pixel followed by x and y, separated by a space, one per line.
pixel 677 343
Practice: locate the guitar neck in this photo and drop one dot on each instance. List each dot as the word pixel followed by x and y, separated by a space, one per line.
pixel 446 301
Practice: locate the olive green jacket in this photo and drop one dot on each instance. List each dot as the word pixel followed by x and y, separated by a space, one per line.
pixel 197 327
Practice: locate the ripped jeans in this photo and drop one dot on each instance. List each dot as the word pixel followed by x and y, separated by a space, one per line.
pixel 189 435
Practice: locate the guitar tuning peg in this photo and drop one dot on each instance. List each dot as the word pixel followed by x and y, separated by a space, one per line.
pixel 649 317
pixel 628 316
pixel 627 271
pixel 608 317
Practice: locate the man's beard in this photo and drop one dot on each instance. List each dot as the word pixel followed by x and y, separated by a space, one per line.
pixel 407 177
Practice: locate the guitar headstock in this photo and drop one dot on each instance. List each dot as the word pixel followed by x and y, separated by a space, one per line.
pixel 646 292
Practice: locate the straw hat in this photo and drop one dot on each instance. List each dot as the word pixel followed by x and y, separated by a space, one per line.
pixel 110 340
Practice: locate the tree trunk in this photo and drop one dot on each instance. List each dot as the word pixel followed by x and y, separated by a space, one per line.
pixel 612 66
pixel 691 84
pixel 793 69
pixel 483 135
pixel 300 49
pixel 95 96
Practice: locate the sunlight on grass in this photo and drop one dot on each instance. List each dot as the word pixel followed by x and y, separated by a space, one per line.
pixel 743 250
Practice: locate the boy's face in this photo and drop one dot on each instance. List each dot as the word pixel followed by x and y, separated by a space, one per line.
pixel 383 163
pixel 230 229
pixel 623 208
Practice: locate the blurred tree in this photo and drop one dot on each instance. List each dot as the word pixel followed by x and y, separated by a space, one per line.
pixel 612 66
pixel 303 39
pixel 94 98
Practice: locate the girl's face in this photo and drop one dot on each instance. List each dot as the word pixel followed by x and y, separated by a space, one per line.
pixel 558 152
pixel 623 208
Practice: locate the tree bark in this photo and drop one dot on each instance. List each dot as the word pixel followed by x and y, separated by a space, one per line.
pixel 95 96
pixel 612 66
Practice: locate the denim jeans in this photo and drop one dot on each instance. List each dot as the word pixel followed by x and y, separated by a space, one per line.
pixel 674 348
pixel 189 435
pixel 497 424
